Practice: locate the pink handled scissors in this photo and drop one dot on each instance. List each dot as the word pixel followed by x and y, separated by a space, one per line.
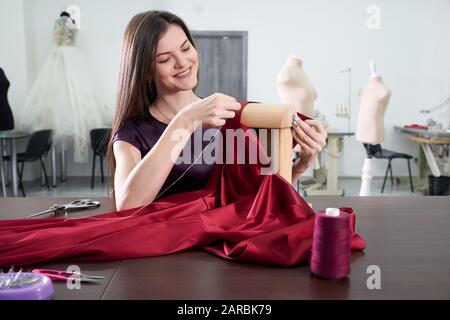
pixel 60 275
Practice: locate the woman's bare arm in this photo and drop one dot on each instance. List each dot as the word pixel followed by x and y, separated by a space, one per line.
pixel 137 181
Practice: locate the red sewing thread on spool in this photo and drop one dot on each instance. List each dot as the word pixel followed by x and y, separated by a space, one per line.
pixel 331 244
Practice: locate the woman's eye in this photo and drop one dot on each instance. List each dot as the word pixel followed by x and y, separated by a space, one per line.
pixel 163 61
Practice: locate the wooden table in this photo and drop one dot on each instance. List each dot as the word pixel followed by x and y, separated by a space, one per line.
pixel 426 138
pixel 407 237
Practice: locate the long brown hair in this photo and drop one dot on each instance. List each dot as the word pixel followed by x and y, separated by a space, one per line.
pixel 136 88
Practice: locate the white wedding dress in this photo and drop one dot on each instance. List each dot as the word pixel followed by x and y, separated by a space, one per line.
pixel 62 97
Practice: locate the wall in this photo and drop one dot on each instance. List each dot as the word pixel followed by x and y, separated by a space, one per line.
pixel 411 51
pixel 13 59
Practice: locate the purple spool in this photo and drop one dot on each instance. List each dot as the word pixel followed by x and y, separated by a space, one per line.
pixel 331 246
pixel 28 286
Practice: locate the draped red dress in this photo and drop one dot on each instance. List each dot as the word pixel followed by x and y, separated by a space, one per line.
pixel 240 215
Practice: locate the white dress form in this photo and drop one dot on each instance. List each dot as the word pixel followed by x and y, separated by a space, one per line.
pixel 294 87
pixel 370 127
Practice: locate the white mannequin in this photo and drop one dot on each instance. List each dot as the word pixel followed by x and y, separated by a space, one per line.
pixel 370 127
pixel 374 101
pixel 294 87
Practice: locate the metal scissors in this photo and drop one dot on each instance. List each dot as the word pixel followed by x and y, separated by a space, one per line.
pixel 75 205
pixel 60 275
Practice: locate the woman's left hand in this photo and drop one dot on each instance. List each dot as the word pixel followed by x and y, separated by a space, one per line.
pixel 311 136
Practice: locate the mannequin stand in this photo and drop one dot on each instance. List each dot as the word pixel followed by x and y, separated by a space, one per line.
pixel 2 170
pixel 366 178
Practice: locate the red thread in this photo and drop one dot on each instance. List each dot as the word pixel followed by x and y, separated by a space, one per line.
pixel 331 245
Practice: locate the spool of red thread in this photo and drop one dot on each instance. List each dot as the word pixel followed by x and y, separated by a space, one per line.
pixel 331 244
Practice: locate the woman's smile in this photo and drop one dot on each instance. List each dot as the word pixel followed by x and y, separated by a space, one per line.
pixel 184 74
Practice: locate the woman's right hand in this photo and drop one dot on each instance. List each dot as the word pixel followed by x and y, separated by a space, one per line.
pixel 211 111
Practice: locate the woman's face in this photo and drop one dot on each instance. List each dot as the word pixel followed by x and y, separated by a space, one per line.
pixel 176 62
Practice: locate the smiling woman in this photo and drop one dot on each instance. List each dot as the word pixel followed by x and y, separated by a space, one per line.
pixel 158 78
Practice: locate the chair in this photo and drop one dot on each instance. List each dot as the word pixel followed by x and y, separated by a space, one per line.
pixel 38 147
pixel 99 144
pixel 375 150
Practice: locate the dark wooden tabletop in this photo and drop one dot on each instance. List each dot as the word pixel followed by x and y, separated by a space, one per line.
pixel 408 238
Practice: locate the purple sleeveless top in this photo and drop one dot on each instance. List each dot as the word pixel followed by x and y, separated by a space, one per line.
pixel 144 131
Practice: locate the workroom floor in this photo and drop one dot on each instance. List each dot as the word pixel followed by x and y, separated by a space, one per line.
pixel 81 187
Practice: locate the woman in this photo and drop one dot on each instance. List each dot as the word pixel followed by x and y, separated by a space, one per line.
pixel 158 78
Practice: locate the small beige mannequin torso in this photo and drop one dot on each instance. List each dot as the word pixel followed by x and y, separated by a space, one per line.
pixel 294 87
pixel 374 101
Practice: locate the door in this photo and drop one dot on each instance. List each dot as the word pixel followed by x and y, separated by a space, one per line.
pixel 223 63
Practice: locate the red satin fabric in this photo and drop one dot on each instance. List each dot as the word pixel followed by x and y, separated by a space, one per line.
pixel 240 215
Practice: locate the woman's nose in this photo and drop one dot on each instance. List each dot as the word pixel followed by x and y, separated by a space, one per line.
pixel 180 61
